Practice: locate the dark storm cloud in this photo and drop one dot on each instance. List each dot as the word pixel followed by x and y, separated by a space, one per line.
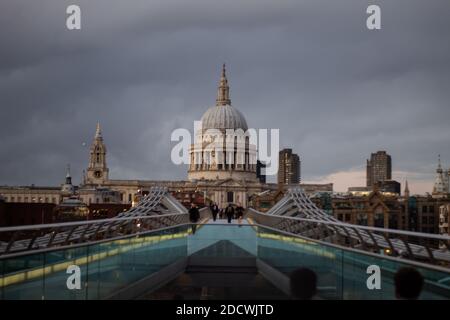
pixel 143 68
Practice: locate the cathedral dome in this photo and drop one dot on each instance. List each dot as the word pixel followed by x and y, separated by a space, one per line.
pixel 210 162
pixel 223 117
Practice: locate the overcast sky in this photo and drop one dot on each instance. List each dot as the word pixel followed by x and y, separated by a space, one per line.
pixel 143 68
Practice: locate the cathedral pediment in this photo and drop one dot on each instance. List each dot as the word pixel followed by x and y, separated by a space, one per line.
pixel 231 183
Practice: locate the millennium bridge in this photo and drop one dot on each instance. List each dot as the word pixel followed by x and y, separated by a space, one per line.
pixel 150 252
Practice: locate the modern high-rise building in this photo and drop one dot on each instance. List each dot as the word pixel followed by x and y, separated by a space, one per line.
pixel 379 168
pixel 288 167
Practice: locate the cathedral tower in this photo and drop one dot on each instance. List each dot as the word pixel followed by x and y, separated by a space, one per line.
pixel 441 184
pixel 97 172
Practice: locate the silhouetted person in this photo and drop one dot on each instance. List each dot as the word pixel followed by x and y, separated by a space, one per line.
pixel 229 212
pixel 239 212
pixel 194 215
pixel 303 284
pixel 408 283
pixel 214 210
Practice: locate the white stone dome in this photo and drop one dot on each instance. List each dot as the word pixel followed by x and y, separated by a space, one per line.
pixel 223 117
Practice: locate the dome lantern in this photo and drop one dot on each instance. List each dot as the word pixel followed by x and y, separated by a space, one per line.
pixel 223 116
pixel 223 92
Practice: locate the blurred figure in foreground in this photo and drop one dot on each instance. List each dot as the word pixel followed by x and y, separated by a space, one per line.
pixel 408 284
pixel 303 284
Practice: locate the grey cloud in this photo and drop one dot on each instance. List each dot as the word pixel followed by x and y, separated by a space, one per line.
pixel 143 68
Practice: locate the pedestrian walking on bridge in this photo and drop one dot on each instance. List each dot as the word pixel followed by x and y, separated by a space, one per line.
pixel 194 215
pixel 229 212
pixel 214 210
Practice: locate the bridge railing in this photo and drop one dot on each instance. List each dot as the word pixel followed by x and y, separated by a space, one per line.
pixel 430 248
pixel 43 236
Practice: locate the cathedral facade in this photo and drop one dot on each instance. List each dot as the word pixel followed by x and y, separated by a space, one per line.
pixel 220 174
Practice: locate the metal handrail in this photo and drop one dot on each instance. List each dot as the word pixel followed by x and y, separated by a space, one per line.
pixel 296 208
pixel 368 238
pixel 203 215
pixel 340 247
pixel 84 244
pixel 81 223
pixel 349 225
pixel 159 206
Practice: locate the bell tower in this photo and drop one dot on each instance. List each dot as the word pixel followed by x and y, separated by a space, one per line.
pixel 97 172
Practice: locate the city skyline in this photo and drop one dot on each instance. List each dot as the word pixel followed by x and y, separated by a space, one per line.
pixel 335 100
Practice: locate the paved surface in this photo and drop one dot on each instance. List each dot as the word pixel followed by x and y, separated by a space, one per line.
pixel 225 221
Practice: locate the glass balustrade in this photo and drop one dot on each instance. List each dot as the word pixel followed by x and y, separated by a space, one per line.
pixel 104 267
pixel 108 266
pixel 342 273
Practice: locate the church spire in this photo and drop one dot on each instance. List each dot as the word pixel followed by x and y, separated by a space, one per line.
pixel 68 171
pixel 406 188
pixel 223 93
pixel 68 176
pixel 439 168
pixel 98 132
